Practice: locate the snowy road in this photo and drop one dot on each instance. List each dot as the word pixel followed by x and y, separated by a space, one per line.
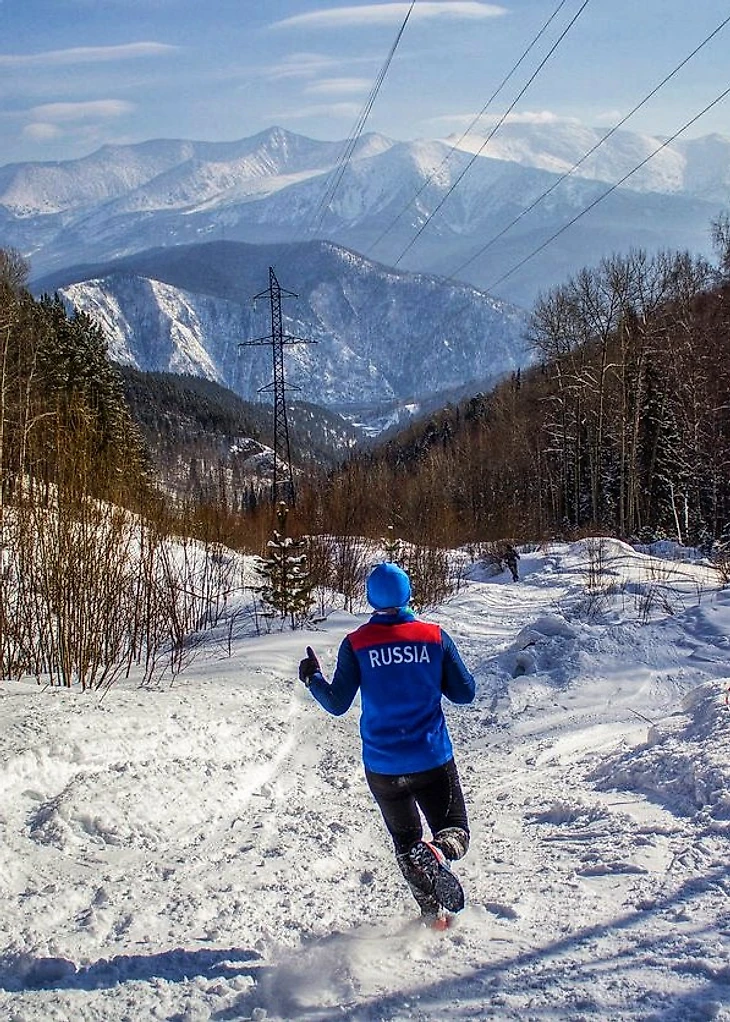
pixel 211 851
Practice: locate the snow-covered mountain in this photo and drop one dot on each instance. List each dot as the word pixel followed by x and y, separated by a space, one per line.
pixel 697 168
pixel 272 187
pixel 385 339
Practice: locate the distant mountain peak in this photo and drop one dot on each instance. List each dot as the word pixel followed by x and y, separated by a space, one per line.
pixel 269 188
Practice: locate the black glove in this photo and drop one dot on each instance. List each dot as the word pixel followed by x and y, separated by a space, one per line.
pixel 308 666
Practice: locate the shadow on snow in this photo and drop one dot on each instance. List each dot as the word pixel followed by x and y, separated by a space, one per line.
pixel 20 972
pixel 563 980
pixel 572 978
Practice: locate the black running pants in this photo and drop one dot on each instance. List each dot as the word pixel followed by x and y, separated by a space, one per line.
pixel 437 793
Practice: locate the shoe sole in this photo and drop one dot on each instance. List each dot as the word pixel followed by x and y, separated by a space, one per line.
pixel 445 886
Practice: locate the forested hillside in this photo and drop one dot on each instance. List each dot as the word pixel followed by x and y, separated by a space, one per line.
pixel 622 426
pixel 63 415
pixel 208 445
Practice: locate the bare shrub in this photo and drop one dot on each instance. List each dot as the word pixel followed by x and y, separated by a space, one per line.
pixel 429 569
pixel 65 586
pixel 721 563
pixel 599 583
pixel 339 564
pixel 657 593
pixel 321 550
pixel 596 549
pixel 491 557
pixel 88 591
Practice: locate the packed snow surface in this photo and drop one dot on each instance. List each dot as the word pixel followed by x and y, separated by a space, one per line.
pixel 208 850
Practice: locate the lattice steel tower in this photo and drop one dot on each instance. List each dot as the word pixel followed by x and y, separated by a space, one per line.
pixel 283 475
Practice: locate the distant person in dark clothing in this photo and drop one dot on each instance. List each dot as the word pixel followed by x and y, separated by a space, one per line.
pixel 402 668
pixel 510 558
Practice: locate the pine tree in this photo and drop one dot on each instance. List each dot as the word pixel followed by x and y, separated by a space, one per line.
pixel 287 588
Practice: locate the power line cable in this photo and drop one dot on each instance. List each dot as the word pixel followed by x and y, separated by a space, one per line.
pixel 344 159
pixel 475 120
pixel 341 167
pixel 608 191
pixel 592 150
pixel 494 130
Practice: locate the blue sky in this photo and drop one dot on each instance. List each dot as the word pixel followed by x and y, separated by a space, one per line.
pixel 77 74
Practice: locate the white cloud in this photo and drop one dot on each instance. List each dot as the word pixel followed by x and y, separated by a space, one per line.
pixel 310 65
pixel 392 13
pixel 40 132
pixel 98 109
pixel 607 117
pixel 301 65
pixel 337 86
pixel 489 120
pixel 86 55
pixel 349 110
pixel 529 117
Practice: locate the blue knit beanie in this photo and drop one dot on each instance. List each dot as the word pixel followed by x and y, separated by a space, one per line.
pixel 388 586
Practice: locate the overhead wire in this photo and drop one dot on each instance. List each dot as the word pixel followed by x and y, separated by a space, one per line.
pixel 604 195
pixel 592 150
pixel 342 164
pixel 469 129
pixel 494 130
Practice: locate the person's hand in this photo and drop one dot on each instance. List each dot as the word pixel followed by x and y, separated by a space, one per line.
pixel 308 666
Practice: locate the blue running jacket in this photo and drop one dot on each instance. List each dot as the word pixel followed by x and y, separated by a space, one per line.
pixel 402 667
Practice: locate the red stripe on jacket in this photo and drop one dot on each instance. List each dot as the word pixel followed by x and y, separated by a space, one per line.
pixel 374 634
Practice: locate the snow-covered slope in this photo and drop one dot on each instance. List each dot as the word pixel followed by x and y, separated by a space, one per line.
pixel 697 167
pixel 273 187
pixel 184 174
pixel 210 851
pixel 381 336
pixel 174 173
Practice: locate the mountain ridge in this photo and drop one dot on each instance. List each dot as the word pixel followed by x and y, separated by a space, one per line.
pixel 385 337
pixel 553 147
pixel 271 188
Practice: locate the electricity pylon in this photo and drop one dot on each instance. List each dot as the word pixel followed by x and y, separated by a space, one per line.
pixel 283 475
